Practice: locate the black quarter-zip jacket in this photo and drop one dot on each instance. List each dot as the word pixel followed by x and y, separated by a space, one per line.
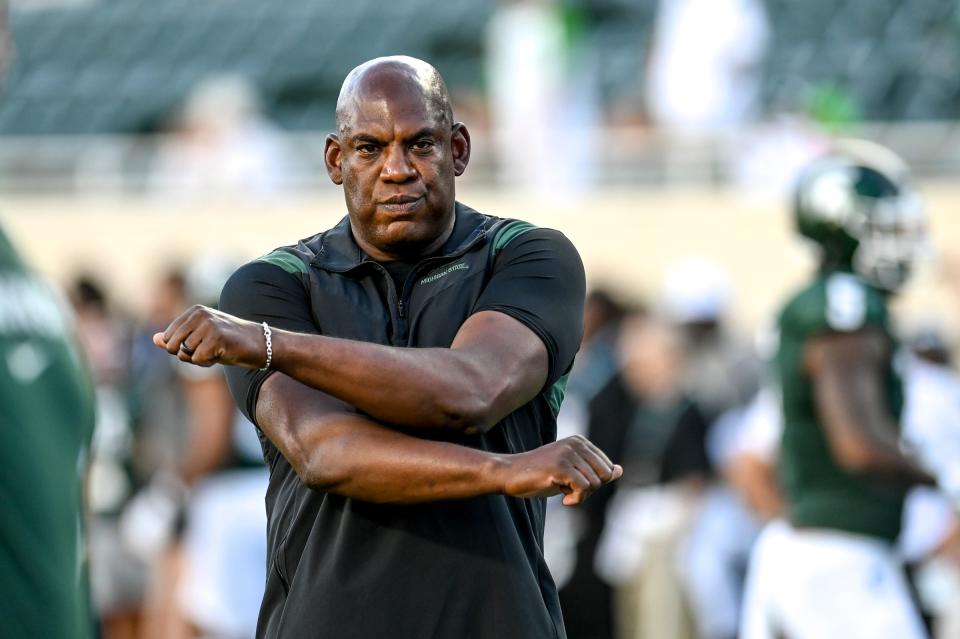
pixel 473 568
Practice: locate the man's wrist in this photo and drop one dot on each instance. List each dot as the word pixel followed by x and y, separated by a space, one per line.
pixel 280 341
pixel 496 470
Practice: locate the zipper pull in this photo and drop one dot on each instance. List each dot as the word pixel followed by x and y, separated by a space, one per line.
pixel 400 309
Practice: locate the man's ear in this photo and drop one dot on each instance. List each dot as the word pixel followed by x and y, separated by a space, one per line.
pixel 460 147
pixel 332 156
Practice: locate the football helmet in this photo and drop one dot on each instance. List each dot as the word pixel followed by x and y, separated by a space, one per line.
pixel 858 204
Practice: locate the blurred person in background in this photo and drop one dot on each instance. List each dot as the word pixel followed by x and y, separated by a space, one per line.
pixel 741 444
pixel 198 520
pixel 225 531
pixel 572 534
pixel 930 541
pixel 101 331
pixel 541 90
pixel 598 360
pixel 222 145
pixel 721 374
pixel 704 64
pixel 830 568
pixel 746 453
pixel 47 414
pixel 721 370
pixel 644 416
pixel 160 401
pixel 118 578
pixel 703 75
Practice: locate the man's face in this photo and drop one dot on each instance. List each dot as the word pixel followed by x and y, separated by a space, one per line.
pixel 397 159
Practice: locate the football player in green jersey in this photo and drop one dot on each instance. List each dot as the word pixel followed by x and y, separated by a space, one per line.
pixel 830 569
pixel 46 421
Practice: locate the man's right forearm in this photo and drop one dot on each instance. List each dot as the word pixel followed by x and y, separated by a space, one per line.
pixel 352 456
pixel 335 449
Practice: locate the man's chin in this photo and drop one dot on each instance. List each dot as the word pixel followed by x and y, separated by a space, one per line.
pixel 406 239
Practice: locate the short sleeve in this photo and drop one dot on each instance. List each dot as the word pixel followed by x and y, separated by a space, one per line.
pixel 538 280
pixel 264 292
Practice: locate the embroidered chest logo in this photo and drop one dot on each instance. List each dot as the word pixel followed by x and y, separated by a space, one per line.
pixel 459 266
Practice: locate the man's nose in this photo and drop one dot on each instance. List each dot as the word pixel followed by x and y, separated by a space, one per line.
pixel 396 165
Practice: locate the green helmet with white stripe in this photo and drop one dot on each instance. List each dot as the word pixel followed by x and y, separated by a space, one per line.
pixel 858 205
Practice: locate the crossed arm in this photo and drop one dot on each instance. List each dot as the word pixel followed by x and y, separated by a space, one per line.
pixel 309 409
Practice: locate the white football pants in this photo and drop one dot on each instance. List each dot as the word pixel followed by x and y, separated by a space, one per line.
pixel 823 584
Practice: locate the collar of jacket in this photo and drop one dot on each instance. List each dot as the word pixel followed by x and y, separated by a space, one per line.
pixel 340 253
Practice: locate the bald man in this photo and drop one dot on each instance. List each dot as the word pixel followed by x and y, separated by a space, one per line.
pixel 404 370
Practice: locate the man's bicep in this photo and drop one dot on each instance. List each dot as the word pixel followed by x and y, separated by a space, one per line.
pixel 509 352
pixel 538 280
pixel 263 292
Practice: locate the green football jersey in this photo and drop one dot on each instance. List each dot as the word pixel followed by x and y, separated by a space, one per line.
pixel 46 422
pixel 819 493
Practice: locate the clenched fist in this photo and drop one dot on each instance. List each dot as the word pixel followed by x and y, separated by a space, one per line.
pixel 572 466
pixel 205 336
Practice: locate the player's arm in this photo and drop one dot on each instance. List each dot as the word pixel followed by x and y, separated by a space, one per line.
pixel 209 424
pixel 851 400
pixel 525 333
pixel 335 449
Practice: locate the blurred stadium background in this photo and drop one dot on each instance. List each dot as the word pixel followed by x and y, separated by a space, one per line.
pixel 147 146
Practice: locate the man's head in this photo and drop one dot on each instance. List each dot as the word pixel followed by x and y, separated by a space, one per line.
pixel 396 152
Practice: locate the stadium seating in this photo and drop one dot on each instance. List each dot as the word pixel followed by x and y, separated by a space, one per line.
pixel 123 66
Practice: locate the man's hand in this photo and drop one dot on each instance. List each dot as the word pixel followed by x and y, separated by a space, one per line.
pixel 206 336
pixel 572 466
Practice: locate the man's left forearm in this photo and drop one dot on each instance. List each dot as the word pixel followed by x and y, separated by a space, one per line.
pixel 494 365
pixel 466 387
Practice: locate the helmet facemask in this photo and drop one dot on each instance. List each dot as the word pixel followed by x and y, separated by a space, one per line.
pixel 891 233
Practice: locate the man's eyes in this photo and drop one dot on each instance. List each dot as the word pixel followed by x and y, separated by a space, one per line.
pixel 372 149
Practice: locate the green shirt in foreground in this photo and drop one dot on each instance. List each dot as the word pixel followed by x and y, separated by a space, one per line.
pixel 46 422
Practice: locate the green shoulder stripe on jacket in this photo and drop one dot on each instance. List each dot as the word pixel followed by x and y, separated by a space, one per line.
pixel 556 392
pixel 509 232
pixel 287 261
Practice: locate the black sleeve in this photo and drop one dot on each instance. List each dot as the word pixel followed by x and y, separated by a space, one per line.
pixel 262 292
pixel 538 279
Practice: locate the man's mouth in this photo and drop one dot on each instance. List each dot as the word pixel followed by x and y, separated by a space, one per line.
pixel 401 203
